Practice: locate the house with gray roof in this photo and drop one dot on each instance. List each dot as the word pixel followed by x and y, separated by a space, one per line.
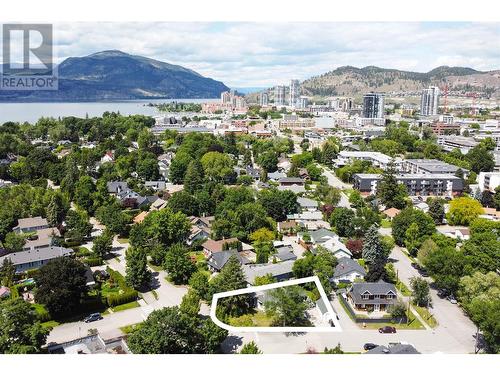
pixel 377 296
pixel 35 258
pixel 281 271
pixel 116 187
pixel 399 348
pixel 307 204
pixel 156 185
pixel 276 176
pixel 347 270
pixel 218 260
pixel 30 224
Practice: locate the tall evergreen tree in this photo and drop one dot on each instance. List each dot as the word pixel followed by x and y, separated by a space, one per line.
pixel 374 254
pixel 193 180
pixel 232 277
pixel 390 193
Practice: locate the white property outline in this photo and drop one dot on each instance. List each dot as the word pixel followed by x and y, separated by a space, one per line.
pixel 253 289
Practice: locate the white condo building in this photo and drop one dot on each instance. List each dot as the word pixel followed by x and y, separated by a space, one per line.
pixel 429 102
pixel 294 92
pixel 279 95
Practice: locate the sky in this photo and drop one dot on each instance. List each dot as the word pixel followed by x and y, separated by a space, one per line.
pixel 267 54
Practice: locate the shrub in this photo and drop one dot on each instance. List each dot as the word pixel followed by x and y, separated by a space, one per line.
pixel 93 261
pixel 116 299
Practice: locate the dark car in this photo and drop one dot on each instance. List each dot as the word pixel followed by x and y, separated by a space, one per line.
pixel 415 265
pixel 387 329
pixel 92 318
pixel 369 346
pixel 423 272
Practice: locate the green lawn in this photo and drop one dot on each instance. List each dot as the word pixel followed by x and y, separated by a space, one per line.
pixel 414 324
pixel 130 328
pixel 50 324
pixel 385 223
pixel 401 286
pixel 123 240
pixel 257 319
pixel 426 316
pixel 126 306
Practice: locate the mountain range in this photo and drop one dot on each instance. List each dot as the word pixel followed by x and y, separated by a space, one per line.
pixel 115 75
pixel 352 81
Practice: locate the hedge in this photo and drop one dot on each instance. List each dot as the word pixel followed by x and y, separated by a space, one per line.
pixel 118 279
pixel 116 299
pixel 94 261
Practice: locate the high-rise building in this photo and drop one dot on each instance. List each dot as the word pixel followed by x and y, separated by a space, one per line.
pixel 264 99
pixel 429 102
pixel 373 105
pixel 279 95
pixel 226 97
pixel 294 92
pixel 302 102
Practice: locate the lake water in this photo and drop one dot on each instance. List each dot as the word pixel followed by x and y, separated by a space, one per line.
pixel 31 112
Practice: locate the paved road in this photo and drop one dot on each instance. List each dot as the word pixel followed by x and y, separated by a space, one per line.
pixel 168 295
pixel 451 318
pixel 336 182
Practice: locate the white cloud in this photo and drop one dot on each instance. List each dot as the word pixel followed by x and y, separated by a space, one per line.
pixel 265 54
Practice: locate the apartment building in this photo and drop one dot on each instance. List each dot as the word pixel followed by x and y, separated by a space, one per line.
pixel 416 184
pixel 377 159
pixel 428 166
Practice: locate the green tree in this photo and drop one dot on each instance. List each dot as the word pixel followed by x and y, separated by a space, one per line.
pixel 138 274
pixel 374 254
pixel 408 216
pixel 342 219
pixel 184 202
pixel 178 264
pixel 113 217
pixel 7 272
pixel 390 193
pixel 447 265
pixel 56 210
pixel 84 193
pixel 303 267
pixel 170 331
pixel 496 198
pixel 190 303
pixel 193 180
pixel 463 211
pixel 436 210
pixel 20 328
pixel 324 267
pixel 78 226
pixel 426 248
pixel 287 306
pixel 14 242
pixel 397 311
pixel 61 286
pixel 268 161
pixel 420 291
pixel 278 204
pixel 480 159
pixel 103 244
pixel 250 348
pixel 412 239
pixel 199 282
pixel 264 280
pixel 217 166
pixel 232 277
pixel 486 315
pixel 163 227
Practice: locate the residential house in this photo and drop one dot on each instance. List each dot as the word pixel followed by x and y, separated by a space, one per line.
pixel 291 181
pixel 337 248
pixel 326 315
pixel 35 258
pixel 307 204
pixel 139 218
pixel 391 213
pixel 158 204
pixel 30 224
pixel 275 176
pixel 92 344
pixel 284 164
pixel 347 270
pixel 218 260
pixel 211 247
pixel 117 187
pixel 200 228
pixel 376 296
pixel 287 226
pixel 309 219
pixel 396 348
pixel 280 271
pixel 156 185
pixel 284 252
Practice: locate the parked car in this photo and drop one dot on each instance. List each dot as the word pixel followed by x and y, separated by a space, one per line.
pixel 423 272
pixel 442 293
pixel 369 346
pixel 92 318
pixel 387 329
pixel 415 265
pixel 452 299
